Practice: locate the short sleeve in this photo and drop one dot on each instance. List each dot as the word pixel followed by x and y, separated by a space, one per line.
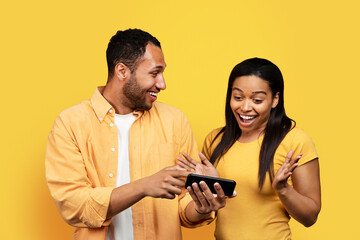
pixel 298 141
pixel 303 143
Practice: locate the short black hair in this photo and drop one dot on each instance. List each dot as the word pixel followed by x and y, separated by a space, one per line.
pixel 128 47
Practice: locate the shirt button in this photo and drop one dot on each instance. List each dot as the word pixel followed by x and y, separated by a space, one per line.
pixel 111 175
pixel 100 119
pixel 111 124
pixel 113 149
pixel 110 111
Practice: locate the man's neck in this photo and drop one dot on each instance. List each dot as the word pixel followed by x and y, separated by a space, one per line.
pixel 113 96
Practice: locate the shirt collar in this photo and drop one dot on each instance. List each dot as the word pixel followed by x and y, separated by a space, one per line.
pixel 102 106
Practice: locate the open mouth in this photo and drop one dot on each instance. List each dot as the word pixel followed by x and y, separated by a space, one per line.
pixel 153 94
pixel 246 119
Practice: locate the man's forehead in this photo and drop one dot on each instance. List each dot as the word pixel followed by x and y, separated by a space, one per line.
pixel 154 56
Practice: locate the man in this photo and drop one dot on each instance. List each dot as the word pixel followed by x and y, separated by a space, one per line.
pixel 107 159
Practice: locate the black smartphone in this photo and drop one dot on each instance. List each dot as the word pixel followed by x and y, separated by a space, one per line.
pixel 227 185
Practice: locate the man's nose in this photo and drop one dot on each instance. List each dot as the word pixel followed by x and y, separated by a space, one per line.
pixel 160 83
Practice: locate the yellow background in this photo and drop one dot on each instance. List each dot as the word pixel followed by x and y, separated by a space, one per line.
pixel 53 56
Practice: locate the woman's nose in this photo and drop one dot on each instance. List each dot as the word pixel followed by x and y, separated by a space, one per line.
pixel 246 106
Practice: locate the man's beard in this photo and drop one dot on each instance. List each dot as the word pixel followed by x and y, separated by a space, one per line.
pixel 136 96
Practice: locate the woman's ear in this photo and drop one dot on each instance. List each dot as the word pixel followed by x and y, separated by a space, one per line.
pixel 275 100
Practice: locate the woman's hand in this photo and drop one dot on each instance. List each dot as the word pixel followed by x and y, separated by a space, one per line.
pixel 285 171
pixel 303 200
pixel 204 168
pixel 204 200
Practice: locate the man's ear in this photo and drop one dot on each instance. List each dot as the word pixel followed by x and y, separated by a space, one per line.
pixel 121 71
pixel 275 100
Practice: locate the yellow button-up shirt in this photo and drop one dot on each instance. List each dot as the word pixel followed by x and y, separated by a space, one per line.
pixel 81 165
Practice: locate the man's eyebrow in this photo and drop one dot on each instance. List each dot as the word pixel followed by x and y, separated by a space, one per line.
pixel 159 67
pixel 255 92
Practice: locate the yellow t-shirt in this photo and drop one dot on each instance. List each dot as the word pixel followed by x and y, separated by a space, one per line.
pixel 254 214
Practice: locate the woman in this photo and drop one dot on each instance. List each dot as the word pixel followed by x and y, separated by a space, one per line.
pixel 256 148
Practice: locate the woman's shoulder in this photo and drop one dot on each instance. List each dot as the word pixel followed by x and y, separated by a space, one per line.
pixel 298 141
pixel 210 142
pixel 212 135
pixel 214 132
pixel 296 134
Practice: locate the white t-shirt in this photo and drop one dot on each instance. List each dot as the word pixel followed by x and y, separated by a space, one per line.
pixel 121 227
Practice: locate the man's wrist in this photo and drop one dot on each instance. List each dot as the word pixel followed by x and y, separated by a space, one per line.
pixel 141 186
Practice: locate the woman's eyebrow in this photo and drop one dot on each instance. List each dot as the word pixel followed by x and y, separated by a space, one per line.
pixel 255 92
pixel 235 88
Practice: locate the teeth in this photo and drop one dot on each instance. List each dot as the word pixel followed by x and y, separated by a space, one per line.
pixel 153 94
pixel 247 117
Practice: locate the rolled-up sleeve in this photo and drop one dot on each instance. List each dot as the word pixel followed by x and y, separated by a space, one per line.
pixel 79 201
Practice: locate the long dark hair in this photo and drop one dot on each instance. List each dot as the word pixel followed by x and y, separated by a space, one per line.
pixel 277 126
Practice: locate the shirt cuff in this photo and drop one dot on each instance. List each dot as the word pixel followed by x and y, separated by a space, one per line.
pixel 95 212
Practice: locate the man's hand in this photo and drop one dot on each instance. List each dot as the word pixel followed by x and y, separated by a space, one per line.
pixel 165 183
